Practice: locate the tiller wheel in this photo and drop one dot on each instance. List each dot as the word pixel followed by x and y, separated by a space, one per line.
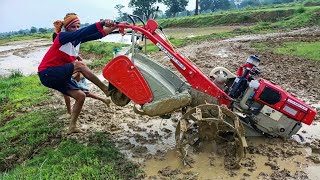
pixel 210 122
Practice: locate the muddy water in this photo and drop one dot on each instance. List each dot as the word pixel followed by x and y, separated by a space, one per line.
pixel 146 139
pixel 23 56
pixel 273 156
pixel 309 133
pixel 210 166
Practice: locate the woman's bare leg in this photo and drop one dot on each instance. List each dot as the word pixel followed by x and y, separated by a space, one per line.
pixel 79 96
pixel 67 101
pixel 79 66
pixel 106 101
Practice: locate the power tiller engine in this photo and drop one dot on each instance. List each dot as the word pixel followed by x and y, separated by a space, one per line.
pixel 265 107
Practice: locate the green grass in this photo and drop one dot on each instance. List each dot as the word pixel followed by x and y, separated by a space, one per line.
pixel 25 37
pixel 303 18
pixel 31 145
pixel 307 50
pixel 22 136
pixel 99 159
pixel 17 92
pixel 104 50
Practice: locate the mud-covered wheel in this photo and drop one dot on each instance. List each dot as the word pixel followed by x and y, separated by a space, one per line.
pixel 210 122
pixel 119 98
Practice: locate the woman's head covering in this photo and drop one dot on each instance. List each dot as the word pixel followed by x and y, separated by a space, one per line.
pixel 69 19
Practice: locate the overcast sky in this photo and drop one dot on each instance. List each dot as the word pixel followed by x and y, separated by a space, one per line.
pixel 23 14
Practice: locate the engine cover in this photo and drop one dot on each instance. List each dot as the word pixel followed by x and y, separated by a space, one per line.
pixel 275 123
pixel 281 101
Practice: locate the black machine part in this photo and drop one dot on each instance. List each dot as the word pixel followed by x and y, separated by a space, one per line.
pixel 240 85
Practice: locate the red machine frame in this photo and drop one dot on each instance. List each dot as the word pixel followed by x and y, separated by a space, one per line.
pixel 193 75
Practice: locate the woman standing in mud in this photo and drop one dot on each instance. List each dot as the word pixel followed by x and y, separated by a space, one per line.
pixel 58 64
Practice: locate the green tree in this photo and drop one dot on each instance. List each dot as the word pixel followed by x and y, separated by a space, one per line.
pixel 175 6
pixel 224 4
pixel 144 8
pixel 21 31
pixel 220 4
pixel 205 5
pixel 119 7
pixel 42 30
pixel 33 30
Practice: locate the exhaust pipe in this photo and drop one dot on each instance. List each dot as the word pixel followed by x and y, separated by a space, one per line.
pixel 254 84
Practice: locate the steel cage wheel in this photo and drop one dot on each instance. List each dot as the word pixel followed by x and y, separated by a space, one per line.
pixel 119 98
pixel 210 122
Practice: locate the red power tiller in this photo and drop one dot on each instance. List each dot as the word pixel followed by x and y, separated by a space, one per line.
pixel 240 107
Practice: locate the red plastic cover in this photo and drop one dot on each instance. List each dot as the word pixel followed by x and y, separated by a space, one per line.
pixel 287 104
pixel 126 77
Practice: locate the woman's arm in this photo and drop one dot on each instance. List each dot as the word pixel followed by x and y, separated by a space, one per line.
pixel 66 37
pixel 94 36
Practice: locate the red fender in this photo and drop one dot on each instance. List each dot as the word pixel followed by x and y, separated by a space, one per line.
pixel 126 77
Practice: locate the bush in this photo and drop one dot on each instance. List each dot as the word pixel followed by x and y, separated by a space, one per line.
pixel 15 73
pixel 301 10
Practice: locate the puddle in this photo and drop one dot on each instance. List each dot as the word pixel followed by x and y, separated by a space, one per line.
pixel 208 165
pixel 156 135
pixel 27 63
pixel 23 56
pixel 151 141
pixel 313 172
pixel 308 133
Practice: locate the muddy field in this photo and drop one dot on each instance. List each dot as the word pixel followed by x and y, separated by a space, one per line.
pixel 150 141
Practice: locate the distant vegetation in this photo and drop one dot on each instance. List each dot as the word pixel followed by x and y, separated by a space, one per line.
pixel 211 13
pixel 24 37
pixel 284 16
pixel 33 31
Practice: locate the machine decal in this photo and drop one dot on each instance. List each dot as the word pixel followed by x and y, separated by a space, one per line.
pixel 290 110
pixel 272 113
pixel 297 104
pixel 171 56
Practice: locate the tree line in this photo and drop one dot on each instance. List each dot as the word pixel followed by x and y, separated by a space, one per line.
pixel 175 8
pixel 146 8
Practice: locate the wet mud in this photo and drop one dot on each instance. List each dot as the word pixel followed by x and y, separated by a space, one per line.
pixel 150 142
pixel 266 158
pixel 23 56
